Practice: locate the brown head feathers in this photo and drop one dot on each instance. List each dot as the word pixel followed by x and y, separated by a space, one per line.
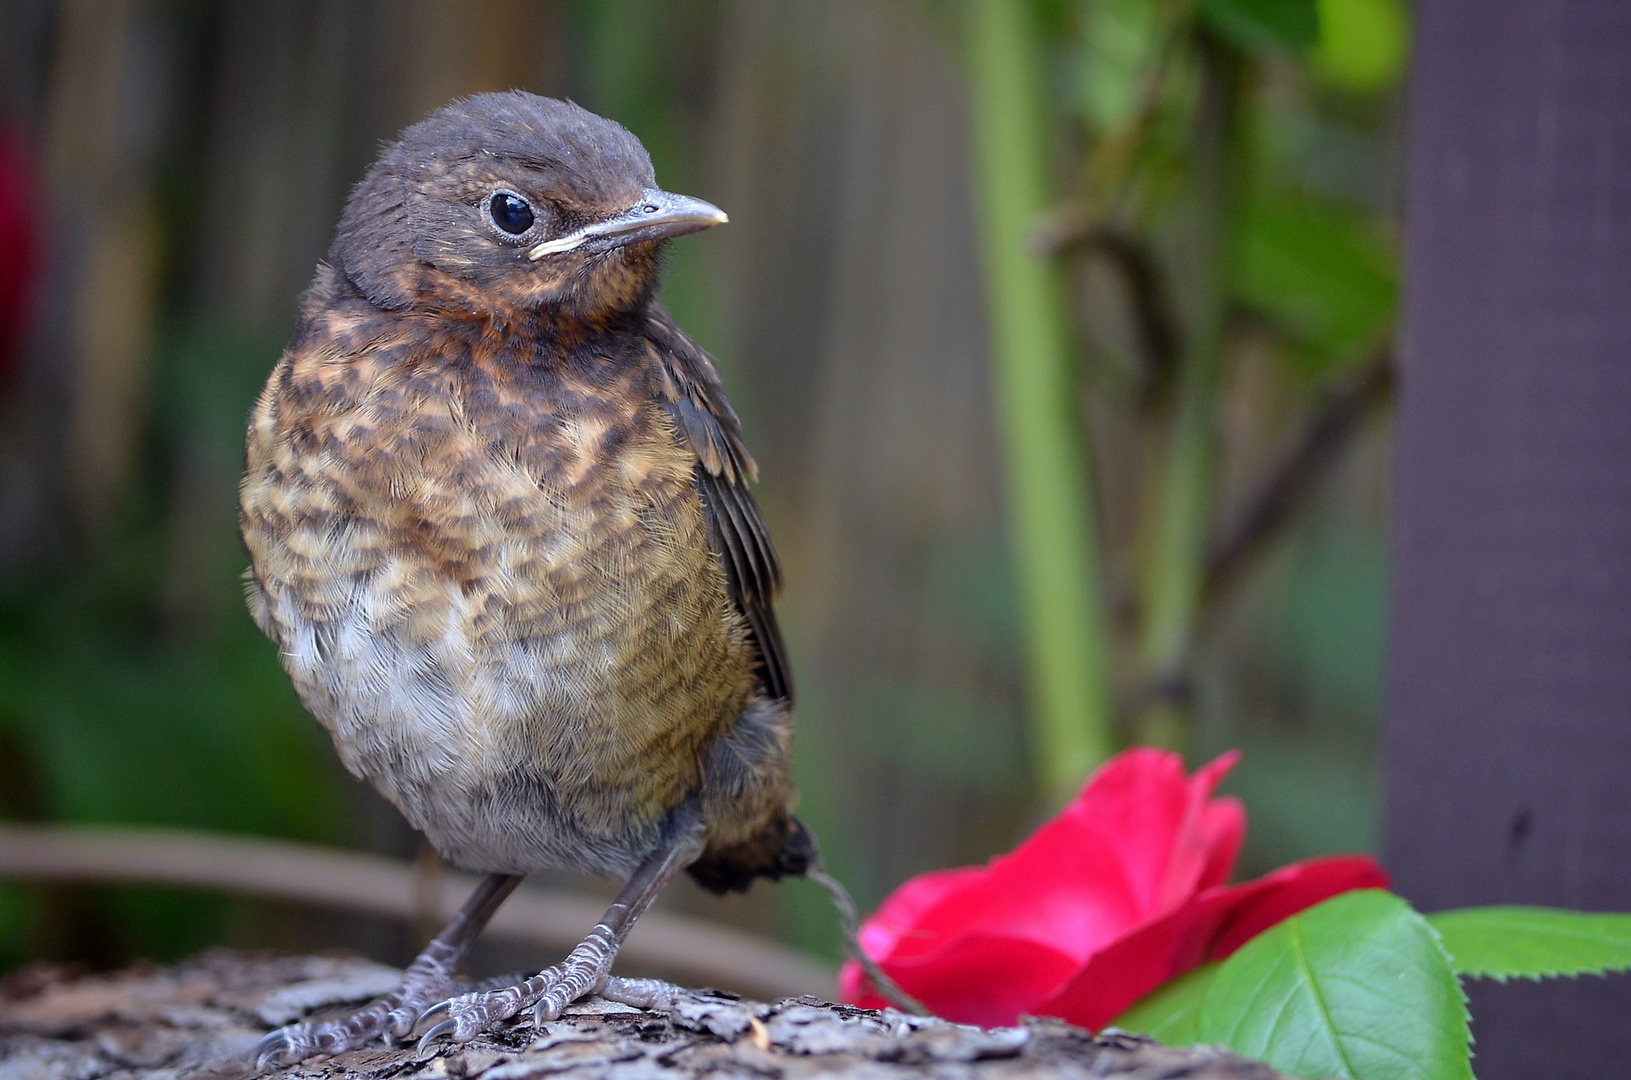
pixel 445 219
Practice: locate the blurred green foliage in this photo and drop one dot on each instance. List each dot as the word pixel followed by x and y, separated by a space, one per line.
pixel 1320 274
pixel 1262 24
pixel 632 70
pixel 1328 641
pixel 1362 43
pixel 1053 534
pixel 1280 229
pixel 133 686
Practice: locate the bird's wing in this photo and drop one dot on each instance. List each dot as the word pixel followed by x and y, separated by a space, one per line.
pixel 690 389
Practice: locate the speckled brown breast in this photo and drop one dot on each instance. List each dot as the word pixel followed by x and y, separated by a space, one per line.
pixel 490 578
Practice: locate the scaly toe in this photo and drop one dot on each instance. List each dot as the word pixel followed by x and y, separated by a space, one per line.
pixel 542 1012
pixel 297 1042
pixel 546 1010
pixel 569 987
pixel 641 993
pixel 400 1022
pixel 462 1018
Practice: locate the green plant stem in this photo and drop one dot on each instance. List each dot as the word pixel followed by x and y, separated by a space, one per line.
pixel 1050 507
pixel 1175 571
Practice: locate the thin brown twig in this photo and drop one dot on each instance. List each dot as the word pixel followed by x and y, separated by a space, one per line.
pixel 1110 166
pixel 850 919
pixel 1159 339
pixel 688 948
pixel 1086 225
pixel 1246 532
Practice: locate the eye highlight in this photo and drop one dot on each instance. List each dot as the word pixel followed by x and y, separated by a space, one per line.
pixel 510 212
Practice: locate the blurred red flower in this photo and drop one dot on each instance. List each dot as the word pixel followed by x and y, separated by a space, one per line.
pixel 1119 893
pixel 19 247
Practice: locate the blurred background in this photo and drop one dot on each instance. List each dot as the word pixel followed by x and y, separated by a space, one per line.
pixel 1060 330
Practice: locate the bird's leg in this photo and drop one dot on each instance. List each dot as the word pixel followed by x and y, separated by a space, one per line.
pixel 428 980
pixel 587 968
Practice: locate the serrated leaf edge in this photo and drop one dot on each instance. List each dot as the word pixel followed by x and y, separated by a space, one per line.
pixel 1541 976
pixel 1532 976
pixel 1460 987
pixel 1294 926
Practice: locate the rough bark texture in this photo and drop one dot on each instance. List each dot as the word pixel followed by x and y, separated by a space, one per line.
pixel 201 1018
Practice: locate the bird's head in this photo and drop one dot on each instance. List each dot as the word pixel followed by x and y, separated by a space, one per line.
pixel 508 204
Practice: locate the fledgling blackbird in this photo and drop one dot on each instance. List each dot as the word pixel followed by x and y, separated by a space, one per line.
pixel 496 504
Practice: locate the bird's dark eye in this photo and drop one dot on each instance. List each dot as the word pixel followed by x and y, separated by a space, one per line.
pixel 510 213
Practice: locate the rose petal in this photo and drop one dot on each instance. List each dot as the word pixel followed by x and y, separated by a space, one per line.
pixel 1291 889
pixel 1109 884
pixel 1063 888
pixel 1139 801
pixel 904 908
pixel 1210 927
pixel 1114 978
pixel 1223 823
pixel 1067 886
pixel 1140 838
pixel 1193 859
pixel 980 979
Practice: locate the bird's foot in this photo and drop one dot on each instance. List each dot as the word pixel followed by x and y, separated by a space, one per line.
pixel 642 993
pixel 392 1017
pixel 586 970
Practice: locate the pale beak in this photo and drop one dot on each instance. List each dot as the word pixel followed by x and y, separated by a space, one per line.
pixel 657 216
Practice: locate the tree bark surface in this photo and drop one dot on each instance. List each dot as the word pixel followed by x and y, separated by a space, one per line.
pixel 200 1019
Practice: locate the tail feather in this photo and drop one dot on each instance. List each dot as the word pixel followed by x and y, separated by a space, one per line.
pixel 784 849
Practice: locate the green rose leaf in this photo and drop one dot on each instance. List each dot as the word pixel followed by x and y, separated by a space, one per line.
pixel 1320 273
pixel 1358 986
pixel 1171 1014
pixel 1533 942
pixel 1262 24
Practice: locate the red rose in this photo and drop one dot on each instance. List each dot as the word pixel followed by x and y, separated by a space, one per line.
pixel 19 248
pixel 1119 893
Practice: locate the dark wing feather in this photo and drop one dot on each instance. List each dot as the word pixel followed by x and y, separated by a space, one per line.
pixel 691 392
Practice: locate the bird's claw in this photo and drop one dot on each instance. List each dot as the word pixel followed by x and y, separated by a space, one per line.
pixel 391 1019
pixel 271 1049
pixel 460 1019
pixel 446 1027
pixel 548 1008
pixel 400 1023
pixel 441 1008
pixel 297 1042
pixel 456 1019
pixel 573 979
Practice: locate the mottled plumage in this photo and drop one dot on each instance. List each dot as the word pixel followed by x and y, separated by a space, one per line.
pixel 497 511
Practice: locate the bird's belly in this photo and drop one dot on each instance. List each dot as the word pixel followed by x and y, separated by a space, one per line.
pixel 543 704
